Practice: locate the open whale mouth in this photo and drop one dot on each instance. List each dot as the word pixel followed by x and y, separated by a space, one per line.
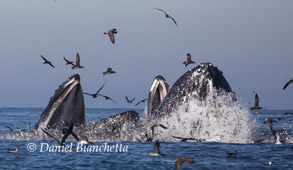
pixel 65 107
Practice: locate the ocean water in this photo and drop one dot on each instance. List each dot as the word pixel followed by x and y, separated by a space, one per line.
pixel 208 154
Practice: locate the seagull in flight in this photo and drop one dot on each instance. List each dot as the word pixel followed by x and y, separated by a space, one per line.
pixel 129 101
pixel 167 15
pixel 47 61
pixel 77 62
pixel 142 101
pixel 111 33
pixel 95 95
pixel 188 60
pixel 109 71
pixel 256 101
pixel 67 133
pixel 68 62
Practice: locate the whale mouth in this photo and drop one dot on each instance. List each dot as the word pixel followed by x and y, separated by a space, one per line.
pixel 65 107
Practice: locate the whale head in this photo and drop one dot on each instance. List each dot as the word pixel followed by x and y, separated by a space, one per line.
pixel 65 107
pixel 159 89
pixel 196 83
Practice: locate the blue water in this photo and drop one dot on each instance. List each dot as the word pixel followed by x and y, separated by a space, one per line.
pixel 208 155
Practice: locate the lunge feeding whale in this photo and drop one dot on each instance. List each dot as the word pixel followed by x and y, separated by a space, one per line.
pixel 65 107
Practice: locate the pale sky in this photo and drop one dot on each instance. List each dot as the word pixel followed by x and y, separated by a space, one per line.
pixel 250 41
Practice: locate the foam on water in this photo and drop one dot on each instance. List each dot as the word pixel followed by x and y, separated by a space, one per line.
pixel 217 119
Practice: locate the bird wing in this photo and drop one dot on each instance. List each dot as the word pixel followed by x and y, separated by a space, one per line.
pixel 51 64
pixel 101 88
pixel 132 99
pixel 44 59
pixel 160 10
pixel 289 82
pixel 75 136
pixel 8 128
pixel 51 136
pixel 107 98
pixel 174 20
pixel 77 59
pixel 256 100
pixel 127 99
pixel 137 103
pixel 87 93
pixel 66 60
pixel 111 35
pixel 69 131
pixel 157 147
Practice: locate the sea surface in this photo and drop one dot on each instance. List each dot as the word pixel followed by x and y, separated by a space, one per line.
pixel 207 155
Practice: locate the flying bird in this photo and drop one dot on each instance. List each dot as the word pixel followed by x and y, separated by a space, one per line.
pixel 167 15
pixel 256 101
pixel 95 95
pixel 68 62
pixel 77 62
pixel 157 125
pixel 47 61
pixel 181 160
pixel 109 71
pixel 142 101
pixel 184 139
pixel 233 154
pixel 188 60
pixel 8 128
pixel 289 82
pixel 111 33
pixel 270 122
pixel 107 98
pixel 156 151
pixel 67 133
pixel 129 101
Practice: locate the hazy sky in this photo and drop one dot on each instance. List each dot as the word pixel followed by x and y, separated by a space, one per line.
pixel 250 41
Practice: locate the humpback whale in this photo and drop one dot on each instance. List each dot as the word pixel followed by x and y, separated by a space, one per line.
pixel 66 107
pixel 158 91
pixel 196 83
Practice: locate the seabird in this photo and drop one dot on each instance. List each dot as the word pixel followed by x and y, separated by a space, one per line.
pixel 13 150
pixel 256 101
pixel 156 151
pixel 188 60
pixel 8 128
pixel 68 62
pixel 142 101
pixel 289 82
pixel 229 154
pixel 270 122
pixel 84 140
pixel 47 61
pixel 167 15
pixel 181 160
pixel 109 71
pixel 95 95
pixel 129 101
pixel 184 139
pixel 157 125
pixel 107 98
pixel 77 62
pixel 111 33
pixel 62 142
pixel 269 163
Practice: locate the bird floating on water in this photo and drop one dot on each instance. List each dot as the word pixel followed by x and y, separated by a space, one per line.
pixel 156 151
pixel 47 61
pixel 111 33
pixel 167 15
pixel 233 154
pixel 13 150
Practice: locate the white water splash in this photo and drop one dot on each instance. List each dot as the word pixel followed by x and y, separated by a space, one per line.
pixel 218 119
